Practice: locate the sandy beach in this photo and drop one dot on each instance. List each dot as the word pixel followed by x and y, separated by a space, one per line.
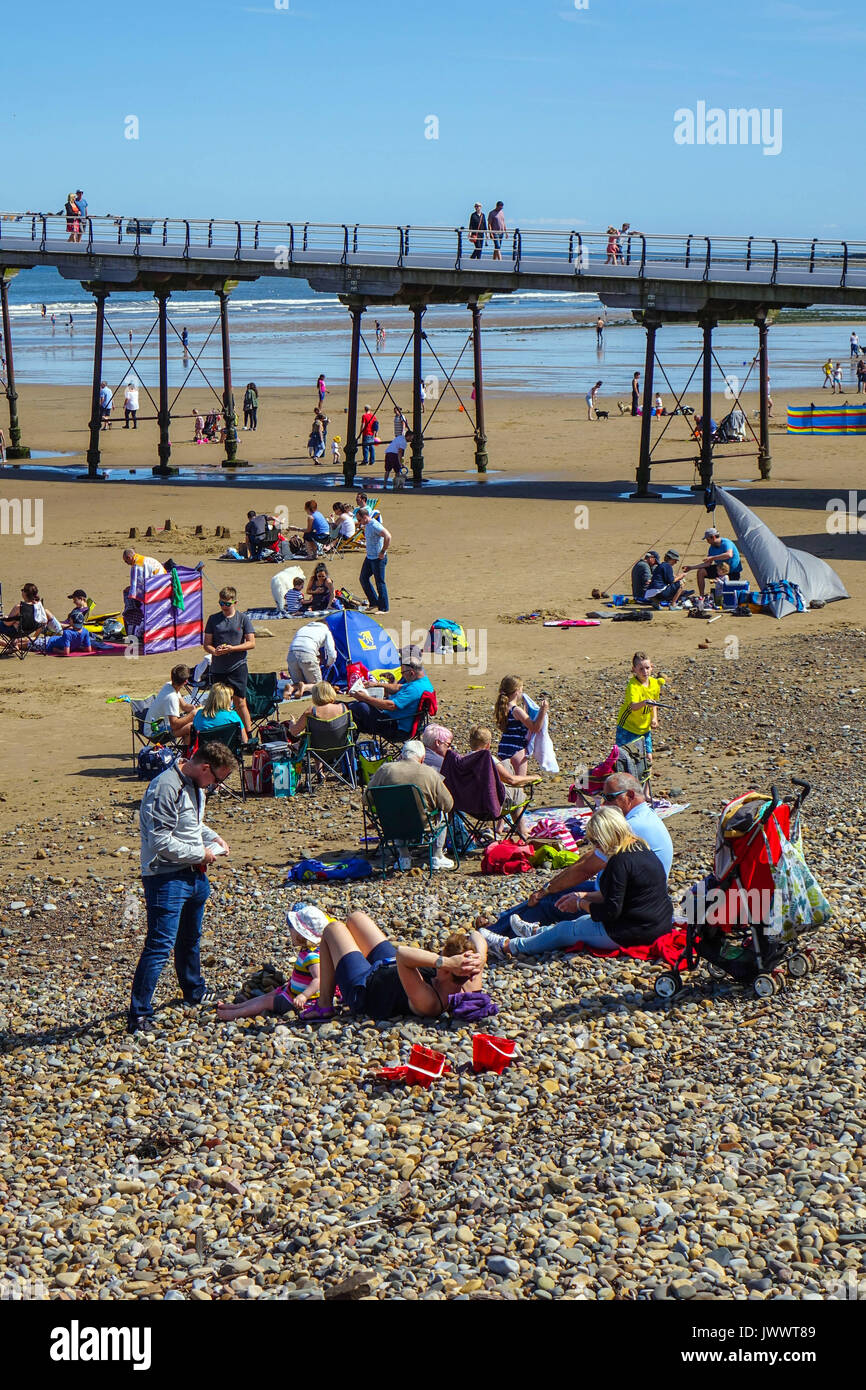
pixel 559 532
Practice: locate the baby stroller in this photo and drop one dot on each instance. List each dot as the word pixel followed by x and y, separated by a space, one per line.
pixel 745 919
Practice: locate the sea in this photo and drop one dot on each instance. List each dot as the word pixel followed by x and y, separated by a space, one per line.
pixel 283 333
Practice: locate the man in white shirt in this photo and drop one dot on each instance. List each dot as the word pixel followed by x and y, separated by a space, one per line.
pixel 168 710
pixel 310 657
pixel 394 459
pixel 130 406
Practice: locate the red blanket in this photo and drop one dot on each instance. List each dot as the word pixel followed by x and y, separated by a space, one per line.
pixel 506 857
pixel 667 948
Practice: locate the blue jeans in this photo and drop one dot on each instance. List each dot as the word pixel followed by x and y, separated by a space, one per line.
pixel 175 907
pixel 375 569
pixel 368 449
pixel 563 935
pixel 545 912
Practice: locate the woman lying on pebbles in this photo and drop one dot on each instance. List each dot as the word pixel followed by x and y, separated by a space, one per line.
pixel 381 980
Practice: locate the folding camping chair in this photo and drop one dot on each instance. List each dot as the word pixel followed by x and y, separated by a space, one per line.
pixel 141 734
pixel 369 758
pixel 230 735
pixel 402 822
pixel 330 745
pixel 480 799
pixel 428 706
pixel 348 545
pixel 263 699
pixel 28 630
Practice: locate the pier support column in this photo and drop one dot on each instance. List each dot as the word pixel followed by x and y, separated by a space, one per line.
pixel 644 467
pixel 764 456
pixel 15 449
pixel 480 435
pixel 418 311
pixel 707 323
pixel 162 469
pixel 356 309
pixel 231 460
pixel 93 452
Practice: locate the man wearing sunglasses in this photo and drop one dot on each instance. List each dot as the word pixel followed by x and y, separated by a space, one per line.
pixel 228 636
pixel 176 849
pixel 560 901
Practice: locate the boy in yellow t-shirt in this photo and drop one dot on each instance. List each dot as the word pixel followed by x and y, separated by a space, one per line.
pixel 638 715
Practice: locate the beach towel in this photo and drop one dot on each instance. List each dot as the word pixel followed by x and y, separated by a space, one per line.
pixel 573 622
pixel 540 746
pixel 474 783
pixel 667 948
pixel 551 830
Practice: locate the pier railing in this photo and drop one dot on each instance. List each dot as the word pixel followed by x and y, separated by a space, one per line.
pixel 571 252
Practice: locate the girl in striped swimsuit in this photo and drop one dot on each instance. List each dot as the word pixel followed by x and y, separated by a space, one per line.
pixel 514 722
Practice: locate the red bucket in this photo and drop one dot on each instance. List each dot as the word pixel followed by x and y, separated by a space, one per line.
pixel 492 1054
pixel 425 1066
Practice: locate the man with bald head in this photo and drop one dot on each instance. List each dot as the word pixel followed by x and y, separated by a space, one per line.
pixel 557 902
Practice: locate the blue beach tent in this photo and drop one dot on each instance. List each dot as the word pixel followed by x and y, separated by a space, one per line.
pixel 358 637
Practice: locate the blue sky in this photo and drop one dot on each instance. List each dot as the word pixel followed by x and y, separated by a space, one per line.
pixel 318 112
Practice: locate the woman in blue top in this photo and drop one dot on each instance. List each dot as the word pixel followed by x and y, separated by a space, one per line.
pixel 218 713
pixel 316 533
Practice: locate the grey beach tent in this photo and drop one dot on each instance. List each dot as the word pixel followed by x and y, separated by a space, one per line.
pixel 771 561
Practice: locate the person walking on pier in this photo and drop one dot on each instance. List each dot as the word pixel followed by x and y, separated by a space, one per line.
pixel 73 226
pixel 82 210
pixel 497 229
pixel 477 228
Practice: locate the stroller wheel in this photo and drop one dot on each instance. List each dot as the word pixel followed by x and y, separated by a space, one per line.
pixel 667 985
pixel 765 986
pixel 811 960
pixel 798 966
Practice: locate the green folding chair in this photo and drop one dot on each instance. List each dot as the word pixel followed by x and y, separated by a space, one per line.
pixel 402 822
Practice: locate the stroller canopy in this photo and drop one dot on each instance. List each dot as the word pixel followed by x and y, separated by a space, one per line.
pixel 358 637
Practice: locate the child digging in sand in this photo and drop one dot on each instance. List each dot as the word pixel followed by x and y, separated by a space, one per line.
pixel 306 924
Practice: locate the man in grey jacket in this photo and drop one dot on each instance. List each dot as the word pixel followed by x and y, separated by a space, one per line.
pixel 176 849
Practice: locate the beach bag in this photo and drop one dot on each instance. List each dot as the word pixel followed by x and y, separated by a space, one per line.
pixel 316 871
pixel 446 636
pixel 506 857
pixel 798 902
pixel 347 600
pixel 153 761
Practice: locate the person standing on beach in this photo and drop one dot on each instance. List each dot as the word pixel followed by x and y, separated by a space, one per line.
pixel 376 540
pixel 855 345
pixel 106 404
pixel 380 336
pixel 592 401
pixel 369 427
pixel 130 405
pixel 44 311
pixel 837 378
pixel 228 636
pixel 321 388
pixel 477 228
pixel 176 850
pixel 184 338
pixel 251 406
pixel 635 394
pixel 497 229
pixel 599 332
pixel 828 374
pixel 861 375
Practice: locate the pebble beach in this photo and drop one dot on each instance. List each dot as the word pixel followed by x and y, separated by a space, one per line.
pixel 708 1148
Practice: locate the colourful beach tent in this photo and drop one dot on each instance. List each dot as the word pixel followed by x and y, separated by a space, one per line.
pixel 173 611
pixel 358 637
